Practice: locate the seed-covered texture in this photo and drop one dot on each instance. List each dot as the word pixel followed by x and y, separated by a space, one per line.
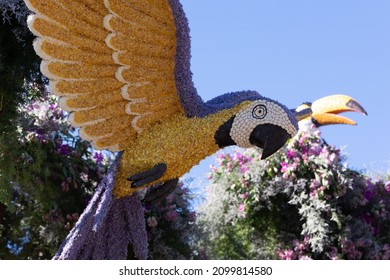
pixel 122 70
pixel 263 111
pixel 111 62
pixel 107 226
pixel 177 141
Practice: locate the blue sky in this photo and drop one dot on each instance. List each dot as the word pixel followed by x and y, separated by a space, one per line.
pixel 296 51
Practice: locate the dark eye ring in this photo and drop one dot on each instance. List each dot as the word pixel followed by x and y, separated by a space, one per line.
pixel 259 112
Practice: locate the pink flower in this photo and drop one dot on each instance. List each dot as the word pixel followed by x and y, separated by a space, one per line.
pixel 84 177
pixel 53 106
pixel 241 208
pixel 284 167
pixel 333 158
pixel 152 222
pixel 244 182
pixel 314 184
pixel 302 139
pixel 244 195
pixel 299 246
pixel 244 169
pixel 229 166
pixel 286 254
pixel 291 154
pixel 387 186
pixel 315 149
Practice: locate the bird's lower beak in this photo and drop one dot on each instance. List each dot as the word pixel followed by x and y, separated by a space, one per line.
pixel 270 138
pixel 326 110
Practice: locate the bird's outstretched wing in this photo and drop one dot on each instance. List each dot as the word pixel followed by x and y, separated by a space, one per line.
pixel 114 63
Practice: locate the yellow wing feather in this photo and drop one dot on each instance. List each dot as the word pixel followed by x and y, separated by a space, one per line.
pixel 110 61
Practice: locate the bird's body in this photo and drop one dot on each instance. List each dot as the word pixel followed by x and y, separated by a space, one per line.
pixel 177 141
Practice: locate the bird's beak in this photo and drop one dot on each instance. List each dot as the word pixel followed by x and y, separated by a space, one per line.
pixel 269 137
pixel 325 110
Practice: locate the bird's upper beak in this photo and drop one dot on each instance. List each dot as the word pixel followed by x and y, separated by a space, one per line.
pixel 269 137
pixel 325 110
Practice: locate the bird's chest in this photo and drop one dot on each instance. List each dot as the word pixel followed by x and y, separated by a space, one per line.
pixel 178 142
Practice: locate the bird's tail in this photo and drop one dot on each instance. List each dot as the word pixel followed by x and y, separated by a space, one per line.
pixel 107 226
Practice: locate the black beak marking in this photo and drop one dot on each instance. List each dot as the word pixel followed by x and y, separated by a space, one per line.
pixel 270 138
pixel 356 107
pixel 303 114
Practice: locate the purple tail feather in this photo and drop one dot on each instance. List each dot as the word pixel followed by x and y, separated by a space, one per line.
pixel 107 226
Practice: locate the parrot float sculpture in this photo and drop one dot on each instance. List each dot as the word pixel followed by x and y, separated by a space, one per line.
pixel 122 71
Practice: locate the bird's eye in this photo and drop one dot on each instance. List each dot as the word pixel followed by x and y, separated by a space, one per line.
pixel 259 112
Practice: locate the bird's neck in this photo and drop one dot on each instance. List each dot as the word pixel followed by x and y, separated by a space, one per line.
pixel 222 135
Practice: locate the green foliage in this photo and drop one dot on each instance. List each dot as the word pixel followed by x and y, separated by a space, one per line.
pixel 47 174
pixel 301 203
pixel 18 61
pixel 170 225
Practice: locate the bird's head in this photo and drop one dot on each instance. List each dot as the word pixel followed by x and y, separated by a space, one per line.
pixel 326 110
pixel 264 123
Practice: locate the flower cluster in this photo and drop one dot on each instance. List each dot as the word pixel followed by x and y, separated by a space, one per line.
pixel 169 225
pixel 51 178
pixel 303 203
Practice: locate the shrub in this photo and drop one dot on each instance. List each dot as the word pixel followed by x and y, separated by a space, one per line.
pixel 302 203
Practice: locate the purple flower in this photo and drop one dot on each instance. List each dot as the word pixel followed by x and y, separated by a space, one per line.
pixel 53 106
pixel 369 192
pixel 291 154
pixel 169 198
pixel 350 250
pixel 386 252
pixel 41 138
pixel 333 253
pixel 64 150
pixel 171 215
pixel 98 157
